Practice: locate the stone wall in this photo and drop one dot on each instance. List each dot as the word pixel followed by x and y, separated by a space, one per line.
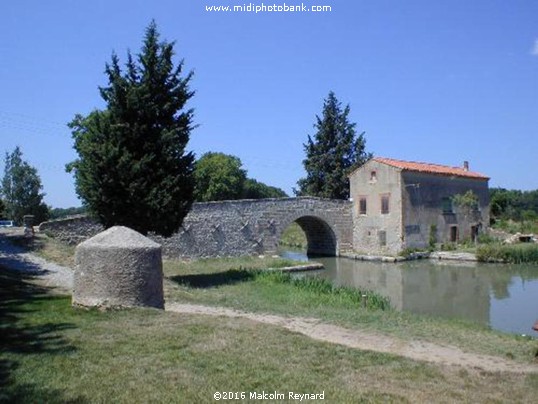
pixel 244 227
pixel 71 230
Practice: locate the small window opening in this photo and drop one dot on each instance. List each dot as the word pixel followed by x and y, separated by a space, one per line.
pixel 373 176
pixel 385 208
pixel 362 206
pixel 446 205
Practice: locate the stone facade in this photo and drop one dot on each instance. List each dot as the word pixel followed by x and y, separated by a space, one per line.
pixel 244 227
pixel 398 205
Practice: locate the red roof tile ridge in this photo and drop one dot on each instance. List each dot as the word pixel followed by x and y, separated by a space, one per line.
pixel 429 168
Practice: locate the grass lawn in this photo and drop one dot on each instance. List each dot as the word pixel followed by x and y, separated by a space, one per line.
pixel 227 282
pixel 53 353
pixel 50 352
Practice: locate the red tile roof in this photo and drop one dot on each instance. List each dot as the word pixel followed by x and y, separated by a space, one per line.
pixel 430 168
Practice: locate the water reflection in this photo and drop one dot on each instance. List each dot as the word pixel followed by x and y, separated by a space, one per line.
pixel 502 296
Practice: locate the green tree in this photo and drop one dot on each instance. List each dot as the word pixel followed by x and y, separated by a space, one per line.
pixel 2 209
pixel 59 213
pixel 253 189
pixel 468 200
pixel 21 189
pixel 133 169
pixel 334 152
pixel 219 177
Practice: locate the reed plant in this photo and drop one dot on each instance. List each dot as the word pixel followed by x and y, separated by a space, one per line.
pixel 324 287
pixel 510 253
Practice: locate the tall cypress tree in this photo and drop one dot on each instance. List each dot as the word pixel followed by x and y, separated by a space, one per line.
pixel 133 169
pixel 334 152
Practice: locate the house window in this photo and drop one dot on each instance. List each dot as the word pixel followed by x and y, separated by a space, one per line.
pixel 373 176
pixel 385 208
pixel 446 205
pixel 454 234
pixel 362 205
pixel 382 234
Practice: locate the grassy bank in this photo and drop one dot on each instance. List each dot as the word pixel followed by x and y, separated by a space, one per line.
pixel 511 253
pixel 53 353
pixel 219 283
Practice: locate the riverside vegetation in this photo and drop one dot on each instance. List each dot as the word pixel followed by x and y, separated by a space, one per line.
pixel 54 353
pixel 488 249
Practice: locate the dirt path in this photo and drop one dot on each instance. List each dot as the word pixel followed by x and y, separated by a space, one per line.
pixel 416 350
pixel 45 272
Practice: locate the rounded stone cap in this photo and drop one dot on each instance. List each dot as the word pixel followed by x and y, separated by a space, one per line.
pixel 120 237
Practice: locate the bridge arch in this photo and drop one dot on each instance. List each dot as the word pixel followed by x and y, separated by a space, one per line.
pixel 320 235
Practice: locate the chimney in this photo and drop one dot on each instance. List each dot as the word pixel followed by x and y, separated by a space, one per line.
pixel 465 166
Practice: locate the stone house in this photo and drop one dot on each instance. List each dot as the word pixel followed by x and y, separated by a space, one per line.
pixel 402 204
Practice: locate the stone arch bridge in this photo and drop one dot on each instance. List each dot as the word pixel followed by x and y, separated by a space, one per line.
pixel 244 227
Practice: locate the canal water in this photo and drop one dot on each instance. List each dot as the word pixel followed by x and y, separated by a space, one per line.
pixel 503 296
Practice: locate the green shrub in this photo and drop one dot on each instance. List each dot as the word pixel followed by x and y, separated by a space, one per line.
pixel 432 241
pixel 514 253
pixel 449 247
pixel 484 238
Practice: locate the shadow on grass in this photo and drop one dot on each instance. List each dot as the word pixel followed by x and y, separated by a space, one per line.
pixel 26 331
pixel 203 281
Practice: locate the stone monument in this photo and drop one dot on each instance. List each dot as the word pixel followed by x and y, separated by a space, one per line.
pixel 118 268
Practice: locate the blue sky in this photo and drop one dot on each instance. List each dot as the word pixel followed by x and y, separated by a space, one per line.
pixel 434 81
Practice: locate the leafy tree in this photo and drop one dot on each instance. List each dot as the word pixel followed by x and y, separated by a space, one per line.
pixel 21 189
pixel 258 190
pixel 334 152
pixel 219 177
pixel 510 204
pixel 58 213
pixel 467 200
pixel 133 169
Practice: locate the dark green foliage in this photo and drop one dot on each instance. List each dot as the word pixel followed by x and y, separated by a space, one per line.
pixel 21 190
pixel 2 209
pixel 516 253
pixel 333 154
pixel 468 200
pixel 258 190
pixel 218 177
pixel 432 241
pixel 58 213
pixel 513 204
pixel 133 169
pixel 221 177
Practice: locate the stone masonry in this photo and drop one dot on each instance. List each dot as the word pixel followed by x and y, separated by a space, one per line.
pixel 243 227
pixel 118 268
